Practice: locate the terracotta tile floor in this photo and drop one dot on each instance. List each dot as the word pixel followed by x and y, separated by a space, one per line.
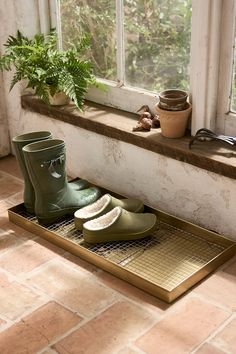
pixel 52 302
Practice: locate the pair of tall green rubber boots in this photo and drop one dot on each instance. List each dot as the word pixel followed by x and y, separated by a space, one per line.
pixel 47 192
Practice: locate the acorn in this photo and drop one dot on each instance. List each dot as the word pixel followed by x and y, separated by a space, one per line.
pixel 155 122
pixel 146 115
pixel 146 123
pixel 138 128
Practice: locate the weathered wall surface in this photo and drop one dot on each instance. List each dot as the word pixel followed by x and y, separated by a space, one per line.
pixel 4 133
pixel 14 15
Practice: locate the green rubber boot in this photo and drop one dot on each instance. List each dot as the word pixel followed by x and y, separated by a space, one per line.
pixel 55 197
pixel 19 142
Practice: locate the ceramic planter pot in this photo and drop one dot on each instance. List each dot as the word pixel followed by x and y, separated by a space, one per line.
pixel 173 100
pixel 173 123
pixel 59 99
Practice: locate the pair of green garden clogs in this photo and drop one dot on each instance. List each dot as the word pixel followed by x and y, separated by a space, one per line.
pixel 47 192
pixel 102 206
pixel 112 219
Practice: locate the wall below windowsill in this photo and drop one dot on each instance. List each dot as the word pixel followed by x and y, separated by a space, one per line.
pixel 209 155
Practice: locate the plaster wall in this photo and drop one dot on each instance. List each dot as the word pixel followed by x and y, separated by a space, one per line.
pixel 4 134
pixel 15 15
pixel 196 195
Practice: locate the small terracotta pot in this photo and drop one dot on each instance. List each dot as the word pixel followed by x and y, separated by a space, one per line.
pixel 173 123
pixel 59 99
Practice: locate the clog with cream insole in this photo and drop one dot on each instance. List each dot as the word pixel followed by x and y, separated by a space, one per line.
pixel 103 206
pixel 119 225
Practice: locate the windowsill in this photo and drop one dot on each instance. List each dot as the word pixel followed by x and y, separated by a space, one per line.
pixel 212 156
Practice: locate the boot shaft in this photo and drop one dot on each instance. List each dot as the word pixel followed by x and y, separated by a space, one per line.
pixel 24 139
pixel 45 162
pixel 55 197
pixel 19 142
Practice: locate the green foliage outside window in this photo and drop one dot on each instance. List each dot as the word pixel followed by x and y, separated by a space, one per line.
pixel 157 39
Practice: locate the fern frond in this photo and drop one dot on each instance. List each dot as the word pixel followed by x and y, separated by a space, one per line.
pixel 42 92
pixel 66 84
pixel 39 39
pixel 6 62
pixel 51 39
pixel 16 78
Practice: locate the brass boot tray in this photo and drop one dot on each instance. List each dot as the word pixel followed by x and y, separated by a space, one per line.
pixel 165 264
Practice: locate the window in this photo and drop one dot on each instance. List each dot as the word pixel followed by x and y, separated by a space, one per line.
pixel 139 45
pixel 143 46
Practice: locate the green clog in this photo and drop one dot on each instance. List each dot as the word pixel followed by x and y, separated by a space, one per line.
pixel 119 225
pixel 103 206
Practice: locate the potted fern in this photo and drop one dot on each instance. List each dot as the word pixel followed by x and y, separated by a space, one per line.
pixel 48 71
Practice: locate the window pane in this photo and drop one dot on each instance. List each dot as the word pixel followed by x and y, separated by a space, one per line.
pixel 157 43
pixel 97 18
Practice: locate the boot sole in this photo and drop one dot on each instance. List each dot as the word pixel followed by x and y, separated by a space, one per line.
pixel 94 238
pixel 55 218
pixel 30 210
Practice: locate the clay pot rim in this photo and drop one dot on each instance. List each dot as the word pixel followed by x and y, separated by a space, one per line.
pixel 159 109
pixel 181 96
pixel 173 106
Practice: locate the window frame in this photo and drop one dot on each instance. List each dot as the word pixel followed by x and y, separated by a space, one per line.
pixel 116 93
pixel 211 59
pixel 226 120
pixel 204 64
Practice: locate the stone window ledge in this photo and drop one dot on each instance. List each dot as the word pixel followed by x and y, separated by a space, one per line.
pixel 212 156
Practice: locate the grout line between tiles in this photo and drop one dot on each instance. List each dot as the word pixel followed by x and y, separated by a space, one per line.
pixel 213 302
pixel 214 334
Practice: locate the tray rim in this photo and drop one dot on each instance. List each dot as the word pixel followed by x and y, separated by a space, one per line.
pixel 128 275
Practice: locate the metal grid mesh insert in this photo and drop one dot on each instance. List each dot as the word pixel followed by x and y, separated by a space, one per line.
pixel 166 258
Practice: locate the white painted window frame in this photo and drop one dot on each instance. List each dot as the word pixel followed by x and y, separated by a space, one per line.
pixel 204 64
pixel 212 22
pixel 226 120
